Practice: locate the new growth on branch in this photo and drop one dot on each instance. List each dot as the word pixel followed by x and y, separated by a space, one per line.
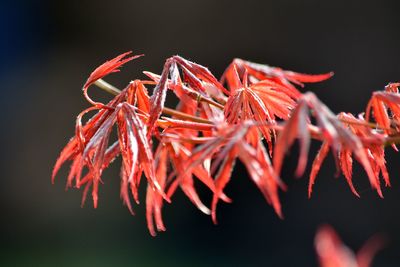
pixel 252 114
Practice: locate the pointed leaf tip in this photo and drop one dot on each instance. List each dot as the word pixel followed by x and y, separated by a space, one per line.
pixel 108 67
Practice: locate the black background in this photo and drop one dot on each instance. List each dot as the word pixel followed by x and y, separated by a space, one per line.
pixel 49 48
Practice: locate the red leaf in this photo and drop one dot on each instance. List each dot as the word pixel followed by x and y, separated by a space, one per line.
pixel 74 148
pixel 346 162
pixel 104 69
pixel 137 95
pixel 381 103
pixel 154 201
pixel 221 180
pixel 136 132
pixel 236 142
pixel 259 72
pixel 380 113
pixel 332 131
pixel 319 159
pixel 196 72
pixel 296 126
pixel 158 99
pixel 261 172
pixel 180 158
pixel 305 78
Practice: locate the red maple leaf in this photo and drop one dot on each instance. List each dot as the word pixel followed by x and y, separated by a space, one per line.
pixel 333 132
pixel 261 72
pixel 372 147
pixel 103 70
pixel 226 146
pixel 262 101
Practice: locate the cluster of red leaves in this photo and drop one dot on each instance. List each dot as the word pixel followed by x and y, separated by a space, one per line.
pixel 333 253
pixel 215 123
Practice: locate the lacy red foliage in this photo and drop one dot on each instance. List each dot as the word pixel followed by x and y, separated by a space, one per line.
pixel 214 126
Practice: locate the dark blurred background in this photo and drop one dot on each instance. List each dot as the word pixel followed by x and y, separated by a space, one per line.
pixel 48 49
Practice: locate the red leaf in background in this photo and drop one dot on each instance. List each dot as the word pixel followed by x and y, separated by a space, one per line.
pixel 333 253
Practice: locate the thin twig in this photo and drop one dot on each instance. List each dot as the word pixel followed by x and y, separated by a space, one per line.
pixel 109 88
